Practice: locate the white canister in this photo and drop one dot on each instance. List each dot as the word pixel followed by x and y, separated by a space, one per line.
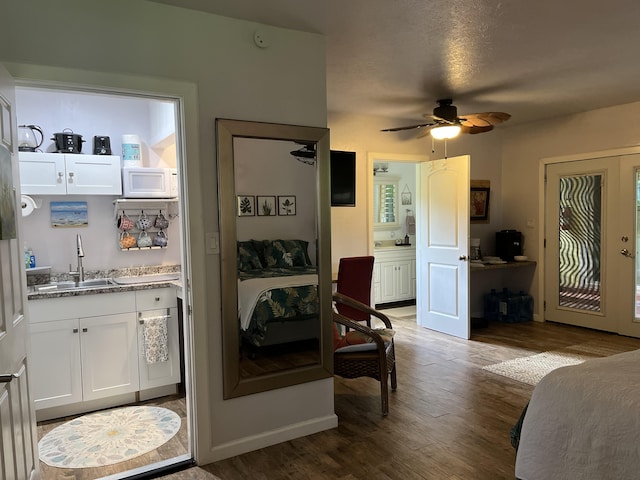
pixel 131 151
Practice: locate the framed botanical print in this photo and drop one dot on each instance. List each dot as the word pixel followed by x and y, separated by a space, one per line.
pixel 266 206
pixel 286 205
pixel 246 205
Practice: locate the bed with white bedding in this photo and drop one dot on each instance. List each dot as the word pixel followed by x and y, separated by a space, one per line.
pixel 583 422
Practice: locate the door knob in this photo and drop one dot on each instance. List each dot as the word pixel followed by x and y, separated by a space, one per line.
pixel 7 377
pixel 462 257
pixel 626 253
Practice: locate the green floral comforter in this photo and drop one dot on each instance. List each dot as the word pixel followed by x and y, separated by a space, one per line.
pixel 289 303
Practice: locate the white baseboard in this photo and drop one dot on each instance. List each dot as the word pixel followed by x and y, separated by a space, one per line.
pixel 266 439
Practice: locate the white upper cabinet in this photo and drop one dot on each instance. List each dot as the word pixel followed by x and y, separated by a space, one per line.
pixel 69 174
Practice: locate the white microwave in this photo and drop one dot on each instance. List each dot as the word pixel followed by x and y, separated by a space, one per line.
pixel 140 182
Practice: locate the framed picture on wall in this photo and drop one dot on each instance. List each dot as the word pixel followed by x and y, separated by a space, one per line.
pixel 479 201
pixel 266 206
pixel 286 205
pixel 246 205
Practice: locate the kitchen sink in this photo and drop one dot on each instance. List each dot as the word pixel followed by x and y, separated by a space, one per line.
pixel 59 286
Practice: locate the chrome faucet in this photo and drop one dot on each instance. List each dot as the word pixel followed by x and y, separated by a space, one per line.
pixel 78 275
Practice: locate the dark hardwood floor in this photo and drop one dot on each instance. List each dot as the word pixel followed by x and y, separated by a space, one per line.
pixel 448 419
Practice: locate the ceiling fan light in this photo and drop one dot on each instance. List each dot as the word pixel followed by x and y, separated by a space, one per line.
pixel 445 132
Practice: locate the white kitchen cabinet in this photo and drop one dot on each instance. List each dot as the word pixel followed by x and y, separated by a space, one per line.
pixel 55 363
pixel 79 356
pixel 69 174
pixel 154 303
pixel 91 347
pixel 109 352
pixel 394 275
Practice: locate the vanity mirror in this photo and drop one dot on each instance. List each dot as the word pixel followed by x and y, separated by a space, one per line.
pixel 273 187
pixel 385 202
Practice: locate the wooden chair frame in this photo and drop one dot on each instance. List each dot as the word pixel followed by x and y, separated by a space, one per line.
pixel 378 363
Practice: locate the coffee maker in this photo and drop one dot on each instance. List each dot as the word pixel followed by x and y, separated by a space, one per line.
pixel 509 243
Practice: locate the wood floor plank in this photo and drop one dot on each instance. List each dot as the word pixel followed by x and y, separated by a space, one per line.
pixel 448 420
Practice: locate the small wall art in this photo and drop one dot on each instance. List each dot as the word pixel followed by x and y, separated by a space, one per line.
pixel 286 205
pixel 405 195
pixel 479 201
pixel 266 206
pixel 246 205
pixel 69 214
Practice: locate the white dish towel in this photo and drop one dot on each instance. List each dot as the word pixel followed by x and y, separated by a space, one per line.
pixel 156 339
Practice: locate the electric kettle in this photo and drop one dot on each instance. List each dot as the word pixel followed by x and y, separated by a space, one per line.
pixel 28 139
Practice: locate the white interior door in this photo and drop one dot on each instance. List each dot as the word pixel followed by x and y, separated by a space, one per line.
pixel 18 450
pixel 590 254
pixel 442 246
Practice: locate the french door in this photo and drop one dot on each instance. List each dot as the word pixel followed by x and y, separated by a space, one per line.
pixel 591 232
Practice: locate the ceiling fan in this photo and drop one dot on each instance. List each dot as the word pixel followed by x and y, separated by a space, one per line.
pixel 445 123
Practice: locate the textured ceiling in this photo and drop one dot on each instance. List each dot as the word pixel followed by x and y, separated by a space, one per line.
pixel 534 59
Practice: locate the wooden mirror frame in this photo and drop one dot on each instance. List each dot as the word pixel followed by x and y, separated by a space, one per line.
pixel 226 130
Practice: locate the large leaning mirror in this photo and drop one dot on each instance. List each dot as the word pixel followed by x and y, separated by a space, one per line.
pixel 273 187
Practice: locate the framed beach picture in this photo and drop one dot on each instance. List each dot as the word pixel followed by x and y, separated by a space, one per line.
pixel 69 214
pixel 246 205
pixel 266 206
pixel 286 205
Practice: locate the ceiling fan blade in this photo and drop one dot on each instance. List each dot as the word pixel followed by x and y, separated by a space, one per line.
pixel 411 127
pixel 475 129
pixel 483 119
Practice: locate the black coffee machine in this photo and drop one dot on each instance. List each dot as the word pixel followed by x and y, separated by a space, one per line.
pixel 509 243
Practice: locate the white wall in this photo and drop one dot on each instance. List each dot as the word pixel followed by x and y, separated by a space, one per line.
pixel 90 114
pixel 233 78
pixel 266 168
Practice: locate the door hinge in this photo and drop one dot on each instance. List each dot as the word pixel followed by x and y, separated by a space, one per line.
pixel 544 243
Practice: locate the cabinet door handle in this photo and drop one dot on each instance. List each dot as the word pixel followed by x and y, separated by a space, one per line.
pixel 70 177
pixel 75 330
pixel 84 329
pixel 157 299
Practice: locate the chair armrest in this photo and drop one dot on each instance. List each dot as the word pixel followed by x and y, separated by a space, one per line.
pixel 347 322
pixel 341 298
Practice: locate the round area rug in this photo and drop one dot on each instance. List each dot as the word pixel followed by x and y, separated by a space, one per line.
pixel 108 437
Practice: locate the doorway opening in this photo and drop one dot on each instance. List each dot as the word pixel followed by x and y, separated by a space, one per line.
pixel 143 308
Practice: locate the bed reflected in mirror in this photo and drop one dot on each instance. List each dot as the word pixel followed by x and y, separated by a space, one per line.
pixel 276 283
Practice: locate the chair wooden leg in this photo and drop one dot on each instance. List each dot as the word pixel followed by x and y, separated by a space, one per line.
pixel 384 394
pixel 394 380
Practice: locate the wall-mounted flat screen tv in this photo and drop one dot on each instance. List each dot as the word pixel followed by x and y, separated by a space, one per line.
pixel 343 178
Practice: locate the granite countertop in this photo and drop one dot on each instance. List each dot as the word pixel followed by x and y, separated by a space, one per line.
pixel 124 280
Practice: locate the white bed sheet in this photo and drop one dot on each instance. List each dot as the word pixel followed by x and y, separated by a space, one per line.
pixel 249 291
pixel 583 422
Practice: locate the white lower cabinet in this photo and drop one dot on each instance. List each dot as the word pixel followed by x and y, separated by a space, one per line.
pixel 158 303
pixel 394 275
pixel 91 357
pixel 109 353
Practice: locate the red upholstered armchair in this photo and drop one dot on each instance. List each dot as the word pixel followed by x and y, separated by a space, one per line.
pixel 354 281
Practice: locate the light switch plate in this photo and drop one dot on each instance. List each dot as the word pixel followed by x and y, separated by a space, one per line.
pixel 212 243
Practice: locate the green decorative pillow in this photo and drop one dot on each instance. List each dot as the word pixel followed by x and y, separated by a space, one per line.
pixel 285 253
pixel 248 258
